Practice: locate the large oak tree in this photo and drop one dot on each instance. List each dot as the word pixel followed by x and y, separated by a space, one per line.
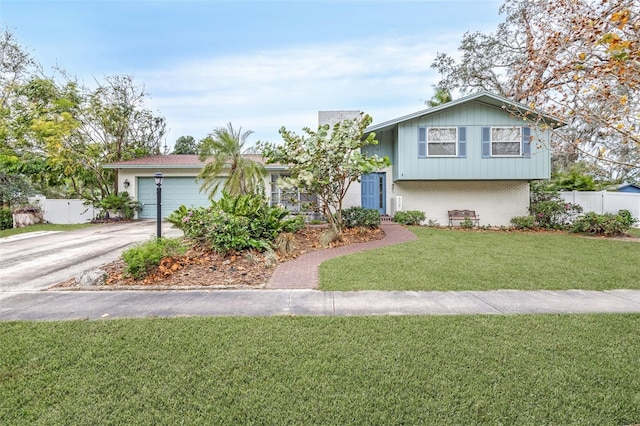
pixel 576 60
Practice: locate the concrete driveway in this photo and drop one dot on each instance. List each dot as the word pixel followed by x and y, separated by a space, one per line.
pixel 36 261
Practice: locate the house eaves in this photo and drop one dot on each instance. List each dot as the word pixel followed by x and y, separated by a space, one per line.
pixel 178 162
pixel 483 97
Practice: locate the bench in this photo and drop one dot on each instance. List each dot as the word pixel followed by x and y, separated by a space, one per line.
pixel 462 215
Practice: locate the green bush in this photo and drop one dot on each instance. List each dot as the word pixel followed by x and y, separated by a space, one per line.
pixel 627 219
pixel 467 223
pixel 176 218
pixel 227 233
pixel 409 217
pixel 120 203
pixel 523 222
pixel 549 209
pixel 6 219
pixel 356 216
pixel 142 259
pixel 236 223
pixel 293 224
pixel 608 224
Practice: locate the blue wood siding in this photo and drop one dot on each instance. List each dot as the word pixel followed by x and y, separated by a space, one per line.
pixel 384 148
pixel 473 116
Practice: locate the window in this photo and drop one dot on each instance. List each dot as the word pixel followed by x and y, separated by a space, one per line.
pixel 506 141
pixel 291 199
pixel 442 141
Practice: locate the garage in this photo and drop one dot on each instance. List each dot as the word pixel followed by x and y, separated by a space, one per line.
pixel 175 192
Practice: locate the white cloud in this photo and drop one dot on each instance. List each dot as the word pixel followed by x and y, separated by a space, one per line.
pixel 264 91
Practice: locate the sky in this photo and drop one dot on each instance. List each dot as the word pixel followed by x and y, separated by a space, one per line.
pixel 260 65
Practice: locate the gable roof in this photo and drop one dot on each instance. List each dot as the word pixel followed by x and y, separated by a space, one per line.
pixel 628 185
pixel 178 162
pixel 482 97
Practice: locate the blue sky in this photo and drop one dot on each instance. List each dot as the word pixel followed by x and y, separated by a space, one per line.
pixel 258 64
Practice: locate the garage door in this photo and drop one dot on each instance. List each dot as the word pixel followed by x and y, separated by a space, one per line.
pixel 175 192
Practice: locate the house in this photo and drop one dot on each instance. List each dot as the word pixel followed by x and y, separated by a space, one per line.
pixel 472 153
pixel 629 187
pixel 179 184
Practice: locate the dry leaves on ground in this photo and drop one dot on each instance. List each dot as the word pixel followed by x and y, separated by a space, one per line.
pixel 200 268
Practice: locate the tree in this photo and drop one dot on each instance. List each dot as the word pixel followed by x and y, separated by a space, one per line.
pixel 576 60
pixel 186 145
pixel 115 126
pixel 228 167
pixel 49 114
pixel 57 134
pixel 326 162
pixel 16 67
pixel 441 96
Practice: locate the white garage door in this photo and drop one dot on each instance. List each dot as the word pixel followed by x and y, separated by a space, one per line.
pixel 175 192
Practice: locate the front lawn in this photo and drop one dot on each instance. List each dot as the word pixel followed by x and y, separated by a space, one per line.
pixel 42 227
pixel 444 260
pixel 545 369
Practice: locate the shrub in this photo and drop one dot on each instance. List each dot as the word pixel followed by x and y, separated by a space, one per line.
pixel 6 219
pixel 120 203
pixel 549 209
pixel 626 218
pixel 285 243
pixel 176 217
pixel 236 223
pixel 467 223
pixel 142 259
pixel 228 233
pixel 329 236
pixel 293 224
pixel 523 222
pixel 354 217
pixel 608 224
pixel 409 217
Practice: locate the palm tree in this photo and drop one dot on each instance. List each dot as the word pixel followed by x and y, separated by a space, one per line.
pixel 237 174
pixel 442 96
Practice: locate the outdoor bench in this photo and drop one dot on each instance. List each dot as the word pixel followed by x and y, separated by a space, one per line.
pixel 462 215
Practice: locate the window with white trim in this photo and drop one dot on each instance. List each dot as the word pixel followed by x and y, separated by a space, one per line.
pixel 442 141
pixel 506 141
pixel 293 200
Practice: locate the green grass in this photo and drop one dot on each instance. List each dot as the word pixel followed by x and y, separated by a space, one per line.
pixel 634 232
pixel 42 227
pixel 456 260
pixel 546 369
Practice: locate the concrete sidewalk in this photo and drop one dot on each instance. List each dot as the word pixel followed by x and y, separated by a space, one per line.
pixel 70 305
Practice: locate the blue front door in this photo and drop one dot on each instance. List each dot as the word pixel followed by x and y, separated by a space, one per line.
pixel 374 192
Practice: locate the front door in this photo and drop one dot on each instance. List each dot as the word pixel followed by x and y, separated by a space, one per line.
pixel 374 192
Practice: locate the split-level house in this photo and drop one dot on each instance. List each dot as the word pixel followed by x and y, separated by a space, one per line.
pixel 474 153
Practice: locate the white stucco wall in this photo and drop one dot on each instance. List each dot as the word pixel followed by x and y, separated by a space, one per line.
pixel 496 202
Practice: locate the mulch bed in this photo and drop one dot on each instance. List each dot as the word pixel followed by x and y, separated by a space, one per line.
pixel 200 268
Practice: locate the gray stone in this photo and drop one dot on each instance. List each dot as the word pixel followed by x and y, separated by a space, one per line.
pixel 92 277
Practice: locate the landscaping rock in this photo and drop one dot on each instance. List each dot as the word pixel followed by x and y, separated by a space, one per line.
pixel 90 278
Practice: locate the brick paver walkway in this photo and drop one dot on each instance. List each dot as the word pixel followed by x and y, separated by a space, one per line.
pixel 303 271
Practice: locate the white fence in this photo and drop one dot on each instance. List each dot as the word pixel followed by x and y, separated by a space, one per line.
pixel 65 212
pixel 605 201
